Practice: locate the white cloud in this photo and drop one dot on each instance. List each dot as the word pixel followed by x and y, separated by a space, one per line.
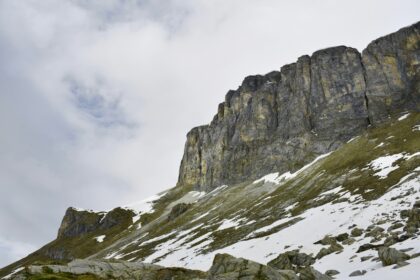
pixel 96 96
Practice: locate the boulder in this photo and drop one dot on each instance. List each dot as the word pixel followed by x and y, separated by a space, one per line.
pixel 291 260
pixel 357 273
pixel 356 232
pixel 227 267
pixel 390 256
pixel 332 272
pixel 309 273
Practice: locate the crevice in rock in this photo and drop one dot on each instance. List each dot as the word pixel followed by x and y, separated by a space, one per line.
pixel 369 121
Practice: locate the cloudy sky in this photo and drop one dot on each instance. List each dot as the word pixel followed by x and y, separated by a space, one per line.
pixel 96 97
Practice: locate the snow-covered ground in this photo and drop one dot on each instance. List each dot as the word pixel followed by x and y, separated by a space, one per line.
pixel 316 223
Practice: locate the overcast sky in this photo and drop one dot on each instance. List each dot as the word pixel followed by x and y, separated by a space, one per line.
pixel 96 97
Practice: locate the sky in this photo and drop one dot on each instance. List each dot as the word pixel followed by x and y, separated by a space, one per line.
pixel 96 97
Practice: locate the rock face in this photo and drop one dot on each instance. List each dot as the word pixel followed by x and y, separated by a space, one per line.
pixel 280 121
pixel 79 222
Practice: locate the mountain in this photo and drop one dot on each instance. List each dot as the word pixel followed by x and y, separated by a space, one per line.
pixel 310 172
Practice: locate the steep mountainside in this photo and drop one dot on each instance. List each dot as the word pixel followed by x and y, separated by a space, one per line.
pixel 312 172
pixel 280 121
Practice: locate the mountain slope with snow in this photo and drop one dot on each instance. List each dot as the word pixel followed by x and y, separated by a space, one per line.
pixel 312 172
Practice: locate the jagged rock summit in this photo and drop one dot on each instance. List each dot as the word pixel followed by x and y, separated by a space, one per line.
pixel 284 119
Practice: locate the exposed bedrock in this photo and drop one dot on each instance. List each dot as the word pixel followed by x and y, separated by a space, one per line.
pixel 280 121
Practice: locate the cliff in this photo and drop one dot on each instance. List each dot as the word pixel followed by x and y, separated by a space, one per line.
pixel 280 121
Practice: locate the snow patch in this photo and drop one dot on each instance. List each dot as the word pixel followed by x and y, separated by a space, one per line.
pixel 13 273
pixel 352 139
pixel 276 179
pixel 403 117
pixel 385 165
pixel 100 238
pixel 228 223
pixel 380 145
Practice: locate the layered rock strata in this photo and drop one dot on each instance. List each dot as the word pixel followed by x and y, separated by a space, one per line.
pixel 280 121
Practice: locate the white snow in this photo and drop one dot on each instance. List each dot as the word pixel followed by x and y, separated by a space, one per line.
pixel 200 217
pixel 100 238
pixel 228 223
pixel 13 273
pixel 385 165
pixel 276 179
pixel 352 139
pixel 315 223
pixel 198 195
pixel 273 225
pixel 416 127
pixel 82 210
pixel 380 145
pixel 272 178
pixel 217 190
pixel 403 117
pixel 136 218
pixel 160 237
pixel 144 206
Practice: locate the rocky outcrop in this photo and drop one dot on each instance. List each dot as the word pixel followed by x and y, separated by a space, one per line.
pixel 79 222
pixel 227 267
pixel 392 73
pixel 279 121
pixel 291 260
pixel 116 270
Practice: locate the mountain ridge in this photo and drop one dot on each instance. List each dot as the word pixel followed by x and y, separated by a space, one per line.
pixel 320 101
pixel 253 180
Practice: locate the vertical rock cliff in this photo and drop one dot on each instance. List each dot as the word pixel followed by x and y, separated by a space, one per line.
pixel 279 121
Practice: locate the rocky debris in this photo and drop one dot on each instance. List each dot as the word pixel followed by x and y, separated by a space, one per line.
pixel 309 273
pixel 79 222
pixel 332 272
pixel 284 119
pixel 178 210
pixel 227 267
pixel 390 256
pixel 357 273
pixel 291 260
